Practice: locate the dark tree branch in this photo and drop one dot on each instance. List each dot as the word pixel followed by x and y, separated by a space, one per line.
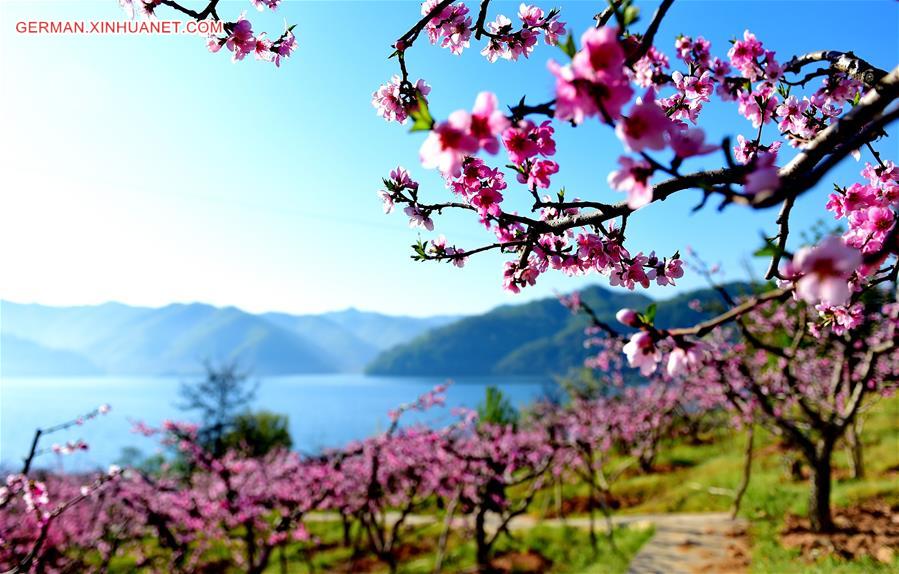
pixel 519 111
pixel 209 10
pixel 482 17
pixel 412 34
pixel 661 191
pixel 783 220
pixel 845 62
pixel 455 256
pixel 733 314
pixel 176 6
pixel 603 17
pixel 797 176
pixel 649 36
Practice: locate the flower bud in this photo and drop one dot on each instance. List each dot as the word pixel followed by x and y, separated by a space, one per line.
pixel 628 317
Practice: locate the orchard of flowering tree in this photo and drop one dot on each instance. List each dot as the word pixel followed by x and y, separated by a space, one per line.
pixel 794 362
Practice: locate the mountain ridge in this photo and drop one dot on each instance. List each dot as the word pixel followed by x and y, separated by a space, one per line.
pixel 115 338
pixel 540 337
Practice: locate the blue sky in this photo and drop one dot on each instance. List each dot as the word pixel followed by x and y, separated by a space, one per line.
pixel 145 170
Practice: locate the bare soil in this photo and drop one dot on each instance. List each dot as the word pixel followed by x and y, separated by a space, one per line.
pixel 527 562
pixel 581 505
pixel 370 563
pixel 868 529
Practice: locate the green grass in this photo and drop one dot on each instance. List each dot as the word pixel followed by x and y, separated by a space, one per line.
pixel 771 493
pixel 568 549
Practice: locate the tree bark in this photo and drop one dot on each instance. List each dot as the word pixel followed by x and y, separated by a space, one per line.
pixel 591 505
pixel 794 467
pixel 647 458
pixel 856 457
pixel 819 498
pixel 560 510
pixel 444 535
pixel 347 540
pixel 480 534
pixel 747 473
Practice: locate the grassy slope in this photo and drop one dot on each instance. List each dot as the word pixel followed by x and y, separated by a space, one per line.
pixel 716 464
pixel 771 493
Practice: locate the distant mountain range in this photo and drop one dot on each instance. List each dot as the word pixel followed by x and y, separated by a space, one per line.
pixel 537 338
pixel 119 339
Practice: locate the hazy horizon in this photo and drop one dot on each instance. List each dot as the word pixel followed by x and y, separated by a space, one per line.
pixel 349 308
pixel 656 295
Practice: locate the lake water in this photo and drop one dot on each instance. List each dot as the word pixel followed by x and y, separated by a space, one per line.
pixel 324 410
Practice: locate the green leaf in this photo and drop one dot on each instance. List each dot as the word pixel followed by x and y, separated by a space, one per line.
pixel 420 249
pixel 568 46
pixel 769 249
pixel 631 15
pixel 650 314
pixel 766 251
pixel 783 90
pixel 423 122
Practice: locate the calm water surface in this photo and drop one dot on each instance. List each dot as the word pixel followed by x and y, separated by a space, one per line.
pixel 324 410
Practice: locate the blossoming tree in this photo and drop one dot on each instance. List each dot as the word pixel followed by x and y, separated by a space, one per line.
pixel 41 519
pixel 828 105
pixel 240 512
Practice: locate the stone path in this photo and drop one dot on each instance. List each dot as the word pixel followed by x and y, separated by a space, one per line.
pixel 708 543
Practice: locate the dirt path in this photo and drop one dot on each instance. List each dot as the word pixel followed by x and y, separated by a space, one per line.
pixel 700 543
pixel 709 543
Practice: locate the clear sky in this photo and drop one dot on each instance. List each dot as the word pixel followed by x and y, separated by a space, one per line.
pixel 146 170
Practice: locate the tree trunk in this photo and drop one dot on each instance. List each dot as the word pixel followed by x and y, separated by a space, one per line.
pixel 694 427
pixel 560 510
pixel 854 442
pixel 250 540
pixel 794 467
pixel 282 558
pixel 347 540
pixel 480 536
pixel 747 472
pixel 646 459
pixel 444 535
pixel 591 504
pixel 819 499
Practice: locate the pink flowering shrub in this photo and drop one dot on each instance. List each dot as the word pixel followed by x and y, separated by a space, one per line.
pixel 238 512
